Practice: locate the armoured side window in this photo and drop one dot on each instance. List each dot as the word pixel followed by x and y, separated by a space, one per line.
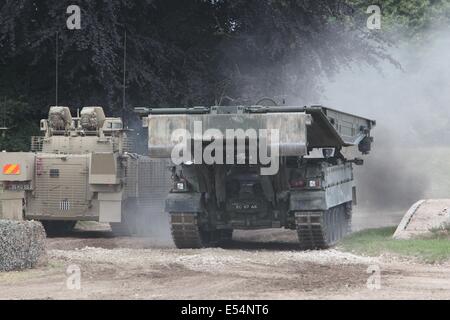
pixel 54 173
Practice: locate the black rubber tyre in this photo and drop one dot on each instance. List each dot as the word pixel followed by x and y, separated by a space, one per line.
pixel 58 228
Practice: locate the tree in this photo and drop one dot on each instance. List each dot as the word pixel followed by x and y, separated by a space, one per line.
pixel 283 48
pixel 15 116
pixel 180 53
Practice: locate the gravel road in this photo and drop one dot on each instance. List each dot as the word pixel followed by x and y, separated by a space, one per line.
pixel 257 265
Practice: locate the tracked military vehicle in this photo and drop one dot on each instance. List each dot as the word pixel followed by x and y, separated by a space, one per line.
pixel 81 168
pixel 220 183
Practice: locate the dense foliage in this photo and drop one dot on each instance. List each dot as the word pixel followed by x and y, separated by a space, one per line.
pixel 178 52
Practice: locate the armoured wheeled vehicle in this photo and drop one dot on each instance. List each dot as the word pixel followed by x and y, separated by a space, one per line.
pixel 81 168
pixel 223 180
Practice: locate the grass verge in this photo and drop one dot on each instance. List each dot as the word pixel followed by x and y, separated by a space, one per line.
pixel 434 248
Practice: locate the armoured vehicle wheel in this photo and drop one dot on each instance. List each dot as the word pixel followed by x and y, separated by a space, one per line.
pixel 187 234
pixel 57 228
pixel 323 229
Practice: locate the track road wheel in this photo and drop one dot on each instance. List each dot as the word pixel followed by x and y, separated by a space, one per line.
pixel 187 234
pixel 323 229
pixel 58 228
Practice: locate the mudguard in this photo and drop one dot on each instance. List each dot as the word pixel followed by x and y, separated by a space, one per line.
pixel 184 202
pixel 307 201
pixel 321 200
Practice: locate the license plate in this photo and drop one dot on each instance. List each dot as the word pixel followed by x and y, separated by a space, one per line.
pixel 17 187
pixel 244 206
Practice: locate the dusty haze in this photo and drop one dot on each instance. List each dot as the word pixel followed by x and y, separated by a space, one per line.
pixel 411 153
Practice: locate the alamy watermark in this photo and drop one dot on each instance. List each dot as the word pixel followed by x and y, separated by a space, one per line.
pixel 73 22
pixel 374 280
pixel 73 281
pixel 263 147
pixel 374 20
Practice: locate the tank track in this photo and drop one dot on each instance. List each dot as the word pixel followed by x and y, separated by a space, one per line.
pixel 185 230
pixel 323 229
pixel 187 234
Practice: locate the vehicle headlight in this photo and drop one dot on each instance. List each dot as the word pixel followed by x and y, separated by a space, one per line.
pixel 181 186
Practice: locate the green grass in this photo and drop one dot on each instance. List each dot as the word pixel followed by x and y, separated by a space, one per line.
pixel 434 248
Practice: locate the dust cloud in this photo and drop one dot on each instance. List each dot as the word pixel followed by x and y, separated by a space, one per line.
pixel 410 159
pixel 411 154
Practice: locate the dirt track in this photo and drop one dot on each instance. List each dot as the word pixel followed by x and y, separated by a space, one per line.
pixel 122 268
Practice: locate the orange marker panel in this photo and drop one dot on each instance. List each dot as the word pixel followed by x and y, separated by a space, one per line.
pixel 11 168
